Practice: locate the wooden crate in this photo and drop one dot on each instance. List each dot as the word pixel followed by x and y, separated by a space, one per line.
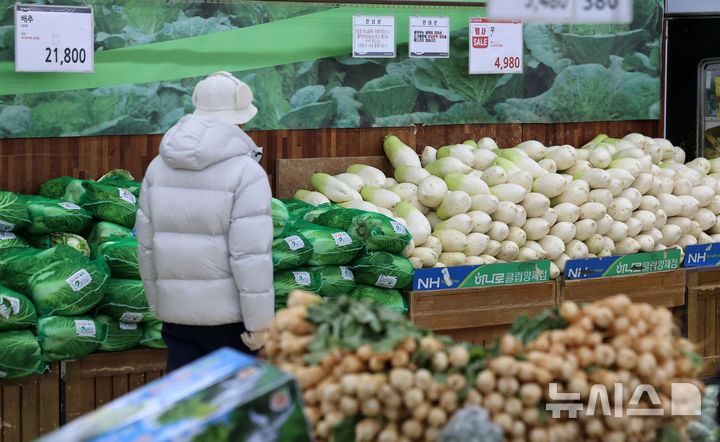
pixel 97 379
pixel 30 406
pixel 703 308
pixel 657 288
pixel 478 314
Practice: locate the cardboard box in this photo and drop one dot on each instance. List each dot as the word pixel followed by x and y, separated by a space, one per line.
pixel 226 395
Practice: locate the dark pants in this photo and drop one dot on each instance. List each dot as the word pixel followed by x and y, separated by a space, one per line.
pixel 189 342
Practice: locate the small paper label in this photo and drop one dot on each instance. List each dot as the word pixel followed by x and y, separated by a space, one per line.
pixel 131 317
pixel 80 279
pixel 6 226
pixel 14 303
pixel 85 328
pixel 341 239
pixel 127 196
pixel 3 374
pixel 7 235
pixel 69 206
pixel 128 325
pixel 302 278
pixel 398 228
pixel 346 273
pixel 295 242
pixel 386 281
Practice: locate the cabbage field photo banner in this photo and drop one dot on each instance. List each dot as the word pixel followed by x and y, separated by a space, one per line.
pixel 296 58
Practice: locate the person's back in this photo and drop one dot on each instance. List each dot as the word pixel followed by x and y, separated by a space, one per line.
pixel 204 233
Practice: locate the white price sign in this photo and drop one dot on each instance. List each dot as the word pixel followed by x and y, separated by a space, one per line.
pixel 374 36
pixel 603 11
pixel 54 38
pixel 496 47
pixel 429 37
pixel 562 11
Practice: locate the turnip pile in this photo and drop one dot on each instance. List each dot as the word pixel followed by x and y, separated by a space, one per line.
pixel 474 204
pixel 365 369
pixel 610 343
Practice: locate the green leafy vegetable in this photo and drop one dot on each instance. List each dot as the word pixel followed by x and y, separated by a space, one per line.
pixel 69 337
pixel 390 298
pixel 383 269
pixel 125 301
pixel 120 254
pixel 152 335
pixel 290 250
pixel 120 335
pixel 330 246
pixel 48 240
pixel 13 214
pixel 280 217
pixel 54 215
pixel 16 311
pixel 336 280
pixel 20 354
pixel 301 278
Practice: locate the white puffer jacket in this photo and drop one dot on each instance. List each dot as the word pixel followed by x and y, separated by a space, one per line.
pixel 204 228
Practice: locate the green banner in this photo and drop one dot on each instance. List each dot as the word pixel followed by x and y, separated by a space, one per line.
pixel 296 59
pixel 508 273
pixel 644 262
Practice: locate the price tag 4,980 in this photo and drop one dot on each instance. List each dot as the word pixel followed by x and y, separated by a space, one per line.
pixel 496 47
pixel 51 38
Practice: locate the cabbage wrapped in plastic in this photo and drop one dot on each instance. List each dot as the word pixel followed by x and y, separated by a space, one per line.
pixel 13 214
pixel 20 354
pixel 69 337
pixel 120 335
pixel 383 269
pixel 55 215
pixel 16 310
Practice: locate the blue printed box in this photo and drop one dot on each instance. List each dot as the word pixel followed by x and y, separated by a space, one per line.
pixel 226 395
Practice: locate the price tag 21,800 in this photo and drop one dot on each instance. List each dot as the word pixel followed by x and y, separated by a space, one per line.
pixel 51 38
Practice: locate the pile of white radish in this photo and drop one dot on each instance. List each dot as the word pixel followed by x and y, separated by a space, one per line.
pixel 474 204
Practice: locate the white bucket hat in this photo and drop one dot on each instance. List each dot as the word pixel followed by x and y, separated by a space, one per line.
pixel 224 97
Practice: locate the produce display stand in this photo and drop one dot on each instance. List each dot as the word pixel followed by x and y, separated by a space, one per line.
pixel 30 406
pixel 34 405
pixel 478 314
pixel 703 308
pixel 96 379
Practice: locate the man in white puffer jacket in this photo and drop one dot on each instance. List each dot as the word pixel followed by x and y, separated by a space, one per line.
pixel 204 228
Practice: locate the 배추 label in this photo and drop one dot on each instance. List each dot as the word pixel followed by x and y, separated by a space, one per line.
pixel 294 242
pixel 128 325
pixel 398 228
pixel 7 235
pixel 79 280
pixel 69 206
pixel 85 328
pixel 127 196
pixel 6 226
pixel 302 278
pixel 386 281
pixel 14 303
pixel 347 274
pixel 341 239
pixel 131 317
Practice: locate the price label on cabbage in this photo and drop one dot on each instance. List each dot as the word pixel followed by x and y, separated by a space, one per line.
pixel 7 235
pixel 373 36
pixel 6 226
pixel 341 239
pixel 386 281
pixel 128 325
pixel 69 206
pixel 398 228
pixel 496 47
pixel 302 278
pixel 3 374
pixel 294 242
pixel 14 303
pixel 131 317
pixel 54 38
pixel 346 273
pixel 79 280
pixel 85 328
pixel 127 196
pixel 429 37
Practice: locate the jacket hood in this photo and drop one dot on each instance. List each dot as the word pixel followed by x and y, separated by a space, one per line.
pixel 197 142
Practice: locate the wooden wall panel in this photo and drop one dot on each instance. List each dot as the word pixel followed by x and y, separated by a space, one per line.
pixel 26 163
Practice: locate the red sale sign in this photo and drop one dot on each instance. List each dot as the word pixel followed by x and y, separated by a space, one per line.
pixel 496 46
